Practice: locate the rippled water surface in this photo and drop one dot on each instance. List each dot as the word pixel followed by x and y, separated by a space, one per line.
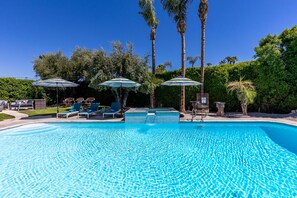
pixel 120 160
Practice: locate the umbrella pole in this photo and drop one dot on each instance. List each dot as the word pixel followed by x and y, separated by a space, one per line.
pixel 121 100
pixel 57 95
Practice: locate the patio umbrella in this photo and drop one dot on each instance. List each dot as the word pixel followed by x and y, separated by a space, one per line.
pixel 181 81
pixel 120 82
pixel 55 83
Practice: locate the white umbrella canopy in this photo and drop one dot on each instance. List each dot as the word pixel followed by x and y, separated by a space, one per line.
pixel 120 82
pixel 181 81
pixel 55 83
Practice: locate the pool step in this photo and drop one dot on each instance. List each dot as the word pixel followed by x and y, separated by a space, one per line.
pixel 150 118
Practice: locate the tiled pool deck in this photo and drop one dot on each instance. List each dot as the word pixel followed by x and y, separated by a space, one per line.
pixel 22 119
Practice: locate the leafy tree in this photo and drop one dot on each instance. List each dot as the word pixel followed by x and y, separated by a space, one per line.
pixel 245 92
pixel 53 65
pixel 80 62
pixel 192 60
pixel 209 64
pixel 202 13
pixel 162 67
pixel 121 62
pixel 178 10
pixel 277 71
pixel 149 15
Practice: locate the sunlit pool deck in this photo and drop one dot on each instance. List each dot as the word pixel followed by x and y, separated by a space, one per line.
pixel 290 119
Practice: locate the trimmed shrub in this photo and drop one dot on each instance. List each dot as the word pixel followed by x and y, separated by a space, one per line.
pixel 12 89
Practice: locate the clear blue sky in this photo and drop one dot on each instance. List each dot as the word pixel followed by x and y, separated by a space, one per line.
pixel 33 27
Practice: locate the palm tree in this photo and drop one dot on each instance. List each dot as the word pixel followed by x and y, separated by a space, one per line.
pixel 245 92
pixel 209 64
pixel 223 62
pixel 151 83
pixel 202 13
pixel 149 15
pixel 162 67
pixel 192 60
pixel 231 59
pixel 178 9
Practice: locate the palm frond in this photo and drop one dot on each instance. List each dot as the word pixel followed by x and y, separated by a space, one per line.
pixel 148 12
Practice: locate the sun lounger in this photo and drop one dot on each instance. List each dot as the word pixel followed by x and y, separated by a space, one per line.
pixel 74 111
pixel 93 110
pixel 114 109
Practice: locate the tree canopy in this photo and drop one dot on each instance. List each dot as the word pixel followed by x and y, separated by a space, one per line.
pixel 94 66
pixel 277 71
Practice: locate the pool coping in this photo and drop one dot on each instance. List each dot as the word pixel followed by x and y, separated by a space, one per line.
pixel 17 123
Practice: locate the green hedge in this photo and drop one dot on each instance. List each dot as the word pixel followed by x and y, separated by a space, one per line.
pixel 12 89
pixel 216 78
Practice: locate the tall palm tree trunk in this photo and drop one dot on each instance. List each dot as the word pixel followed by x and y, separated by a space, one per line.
pixel 183 91
pixel 202 55
pixel 153 39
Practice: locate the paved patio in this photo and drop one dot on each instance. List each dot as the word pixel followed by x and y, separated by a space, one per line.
pixel 22 119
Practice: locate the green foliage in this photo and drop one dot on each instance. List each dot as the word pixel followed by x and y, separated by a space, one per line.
pixel 12 89
pixel 229 60
pixel 148 12
pixel 43 112
pixel 192 59
pixel 245 92
pixel 216 79
pixel 177 9
pixel 277 71
pixel 4 116
pixel 150 84
pixel 162 67
pixel 273 73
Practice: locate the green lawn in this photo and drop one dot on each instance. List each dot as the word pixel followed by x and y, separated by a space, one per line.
pixel 47 111
pixel 42 112
pixel 4 116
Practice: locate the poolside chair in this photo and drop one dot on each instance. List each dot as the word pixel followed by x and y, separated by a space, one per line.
pixel 74 111
pixel 80 100
pixel 114 109
pixel 93 110
pixel 3 105
pixel 68 101
pixel 89 100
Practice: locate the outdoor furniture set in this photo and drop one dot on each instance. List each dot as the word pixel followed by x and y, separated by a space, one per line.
pixel 70 101
pixel 92 110
pixel 19 104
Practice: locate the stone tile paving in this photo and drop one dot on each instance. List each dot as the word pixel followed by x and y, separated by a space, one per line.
pixel 21 119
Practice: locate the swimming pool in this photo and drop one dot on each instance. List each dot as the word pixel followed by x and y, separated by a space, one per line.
pixel 163 160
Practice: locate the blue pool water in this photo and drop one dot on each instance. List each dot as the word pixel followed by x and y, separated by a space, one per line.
pixel 138 160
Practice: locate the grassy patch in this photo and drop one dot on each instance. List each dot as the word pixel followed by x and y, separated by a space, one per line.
pixel 43 112
pixel 4 116
pixel 47 111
